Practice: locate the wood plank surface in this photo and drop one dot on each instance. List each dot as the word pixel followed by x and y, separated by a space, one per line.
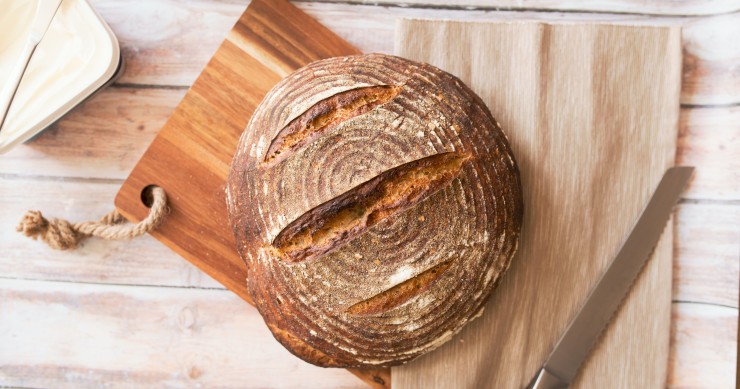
pixel 168 42
pixel 706 254
pixel 73 171
pixel 170 340
pixel 709 331
pixel 709 138
pixel 191 155
pixel 117 126
pixel 143 261
pixel 113 129
pixel 163 48
pixel 707 242
pixel 682 7
pixel 710 53
pixel 144 338
pixel 592 115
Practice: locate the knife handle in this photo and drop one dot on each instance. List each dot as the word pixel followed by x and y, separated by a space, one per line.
pixel 546 380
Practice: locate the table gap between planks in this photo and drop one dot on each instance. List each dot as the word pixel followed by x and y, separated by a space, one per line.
pixel 133 312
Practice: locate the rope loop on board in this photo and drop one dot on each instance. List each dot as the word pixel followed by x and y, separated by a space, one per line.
pixel 60 234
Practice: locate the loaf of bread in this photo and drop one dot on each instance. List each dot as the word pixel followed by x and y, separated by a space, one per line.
pixel 377 204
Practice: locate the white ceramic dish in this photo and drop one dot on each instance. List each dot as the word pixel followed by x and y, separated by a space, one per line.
pixel 78 55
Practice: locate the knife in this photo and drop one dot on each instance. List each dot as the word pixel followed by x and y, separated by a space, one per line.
pixel 582 333
pixel 45 10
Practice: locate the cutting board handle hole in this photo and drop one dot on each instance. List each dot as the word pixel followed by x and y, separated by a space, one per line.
pixel 146 195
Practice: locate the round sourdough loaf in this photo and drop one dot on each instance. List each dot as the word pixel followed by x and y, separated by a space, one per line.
pixel 376 203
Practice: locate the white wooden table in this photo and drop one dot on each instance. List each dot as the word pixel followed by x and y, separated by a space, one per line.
pixel 126 314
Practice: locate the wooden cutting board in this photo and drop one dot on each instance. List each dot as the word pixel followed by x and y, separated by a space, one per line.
pixel 592 115
pixel 191 155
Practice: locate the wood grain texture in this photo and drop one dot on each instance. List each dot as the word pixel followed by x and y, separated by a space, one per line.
pixel 199 140
pixel 142 261
pixel 706 248
pixel 190 156
pixel 709 138
pixel 112 129
pixel 119 337
pixel 168 42
pixel 150 35
pixel 656 7
pixel 711 38
pixel 170 339
pixel 184 338
pixel 707 254
pixel 709 331
pixel 171 47
pixel 590 156
pixel 116 127
pixel 116 114
pixel 710 53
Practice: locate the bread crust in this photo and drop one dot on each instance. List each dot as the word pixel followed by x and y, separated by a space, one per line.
pixel 376 203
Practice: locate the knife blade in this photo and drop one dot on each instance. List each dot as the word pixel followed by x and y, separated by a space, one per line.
pixel 45 11
pixel 605 298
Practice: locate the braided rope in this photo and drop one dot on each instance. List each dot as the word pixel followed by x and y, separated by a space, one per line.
pixel 60 234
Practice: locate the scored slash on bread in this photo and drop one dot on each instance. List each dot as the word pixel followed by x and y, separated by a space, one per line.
pixel 341 219
pixel 325 115
pixel 376 203
pixel 400 293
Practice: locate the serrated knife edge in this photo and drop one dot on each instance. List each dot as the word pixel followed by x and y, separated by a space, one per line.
pixel 605 298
